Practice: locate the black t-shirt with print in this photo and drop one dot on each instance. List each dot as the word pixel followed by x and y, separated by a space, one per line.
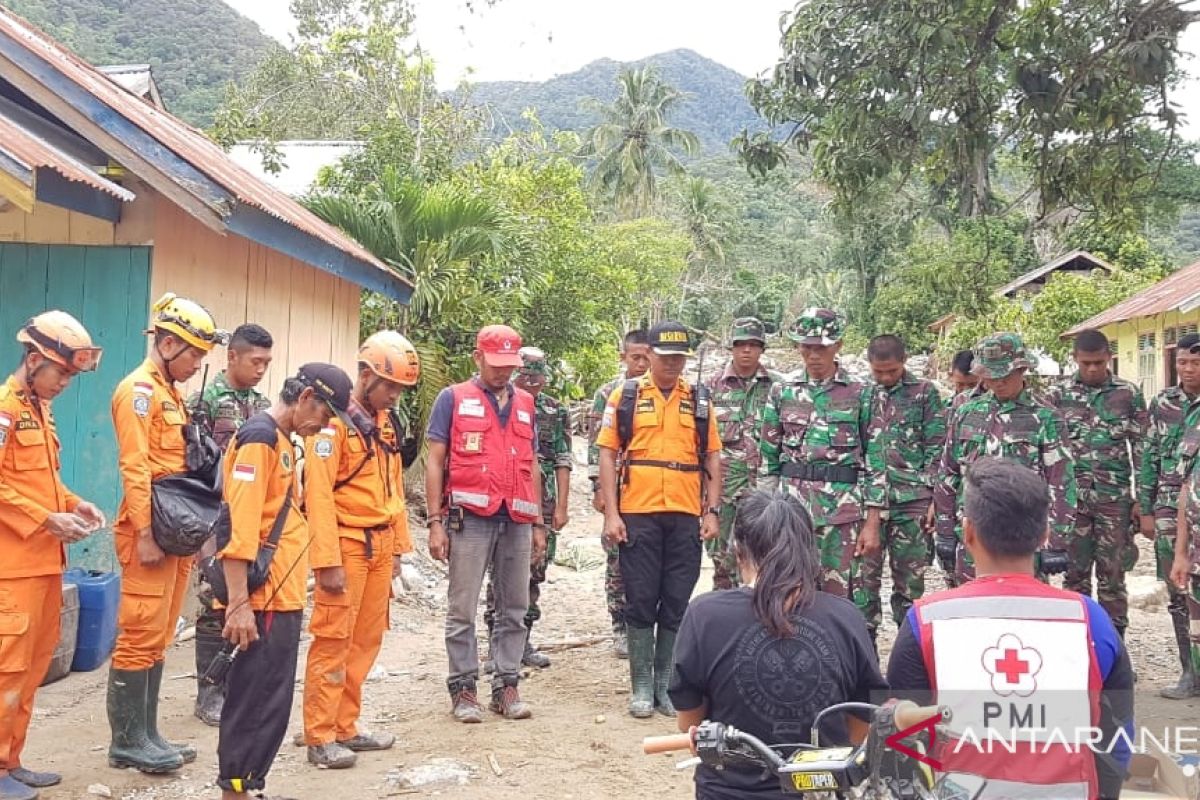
pixel 771 688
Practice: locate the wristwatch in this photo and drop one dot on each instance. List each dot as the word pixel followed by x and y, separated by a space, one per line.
pixel 713 510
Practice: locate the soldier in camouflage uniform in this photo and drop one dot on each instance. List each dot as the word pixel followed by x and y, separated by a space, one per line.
pixel 912 418
pixel 1005 421
pixel 1185 571
pixel 1158 493
pixel 816 433
pixel 738 392
pixel 228 401
pixel 635 356
pixel 1106 422
pixel 554 460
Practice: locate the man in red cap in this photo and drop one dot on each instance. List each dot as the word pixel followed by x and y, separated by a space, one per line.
pixel 482 465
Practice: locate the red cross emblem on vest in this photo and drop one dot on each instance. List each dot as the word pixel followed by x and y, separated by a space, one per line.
pixel 1013 666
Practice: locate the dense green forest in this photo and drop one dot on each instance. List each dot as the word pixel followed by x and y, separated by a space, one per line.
pixel 194 46
pixel 715 110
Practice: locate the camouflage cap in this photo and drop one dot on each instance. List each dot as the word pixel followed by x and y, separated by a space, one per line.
pixel 533 363
pixel 998 355
pixel 748 329
pixel 820 326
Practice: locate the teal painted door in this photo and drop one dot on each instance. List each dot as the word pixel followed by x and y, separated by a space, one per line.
pixel 107 289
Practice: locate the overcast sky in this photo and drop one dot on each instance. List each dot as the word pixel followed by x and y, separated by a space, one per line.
pixel 533 40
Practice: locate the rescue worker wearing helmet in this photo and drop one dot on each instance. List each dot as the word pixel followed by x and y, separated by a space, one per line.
pixel 38 516
pixel 354 500
pixel 149 415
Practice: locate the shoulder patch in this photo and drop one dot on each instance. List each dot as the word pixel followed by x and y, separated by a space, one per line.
pixel 245 472
pixel 323 448
pixel 141 404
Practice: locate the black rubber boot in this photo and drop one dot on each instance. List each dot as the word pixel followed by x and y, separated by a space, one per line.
pixel 153 685
pixel 532 657
pixel 1187 686
pixel 209 699
pixel 131 746
pixel 641 672
pixel 664 663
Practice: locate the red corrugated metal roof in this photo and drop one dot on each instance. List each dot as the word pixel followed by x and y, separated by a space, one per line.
pixel 1166 295
pixel 34 152
pixel 186 142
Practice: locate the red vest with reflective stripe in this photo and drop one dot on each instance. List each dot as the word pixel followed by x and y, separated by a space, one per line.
pixel 1013 658
pixel 491 464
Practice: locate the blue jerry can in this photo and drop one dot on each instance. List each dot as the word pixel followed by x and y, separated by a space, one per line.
pixel 99 596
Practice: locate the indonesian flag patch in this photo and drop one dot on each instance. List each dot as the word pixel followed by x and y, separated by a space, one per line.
pixel 244 472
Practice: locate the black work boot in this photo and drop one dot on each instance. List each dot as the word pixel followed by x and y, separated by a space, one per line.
pixel 209 699
pixel 131 746
pixel 1187 686
pixel 664 663
pixel 641 672
pixel 532 657
pixel 153 685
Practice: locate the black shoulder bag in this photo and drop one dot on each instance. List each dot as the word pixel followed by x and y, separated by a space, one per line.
pixel 259 568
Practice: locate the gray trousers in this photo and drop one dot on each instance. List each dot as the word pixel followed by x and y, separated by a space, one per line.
pixel 505 545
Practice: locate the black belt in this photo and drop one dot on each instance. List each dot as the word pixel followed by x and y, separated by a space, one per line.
pixel 368 533
pixel 819 473
pixel 675 465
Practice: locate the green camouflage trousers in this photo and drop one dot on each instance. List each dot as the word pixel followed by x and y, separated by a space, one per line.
pixel 1180 607
pixel 840 569
pixel 906 549
pixel 614 586
pixel 720 550
pixel 537 576
pixel 1101 539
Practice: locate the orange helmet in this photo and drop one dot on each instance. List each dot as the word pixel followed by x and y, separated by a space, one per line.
pixel 391 357
pixel 62 339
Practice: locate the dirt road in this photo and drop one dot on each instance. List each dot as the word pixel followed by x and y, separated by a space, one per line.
pixel 580 743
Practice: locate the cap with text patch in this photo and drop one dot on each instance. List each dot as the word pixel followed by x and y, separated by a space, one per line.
pixel 500 346
pixel 670 338
pixel 330 384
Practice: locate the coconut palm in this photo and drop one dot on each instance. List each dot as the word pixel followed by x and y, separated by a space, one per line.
pixel 633 141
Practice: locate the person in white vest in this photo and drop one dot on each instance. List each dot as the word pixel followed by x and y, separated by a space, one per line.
pixel 1037 680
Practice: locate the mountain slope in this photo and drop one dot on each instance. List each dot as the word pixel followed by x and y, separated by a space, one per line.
pixel 194 46
pixel 716 109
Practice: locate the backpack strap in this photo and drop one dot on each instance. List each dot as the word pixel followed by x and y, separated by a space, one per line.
pixel 702 397
pixel 629 393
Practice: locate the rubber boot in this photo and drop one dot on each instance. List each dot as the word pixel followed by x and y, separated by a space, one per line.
pixel 641 672
pixel 1187 685
pixel 131 747
pixel 209 699
pixel 153 685
pixel 532 657
pixel 664 663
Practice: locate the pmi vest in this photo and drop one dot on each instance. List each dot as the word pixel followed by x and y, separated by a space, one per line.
pixel 1014 661
pixel 490 464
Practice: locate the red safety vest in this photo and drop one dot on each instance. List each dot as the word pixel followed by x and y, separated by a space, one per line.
pixel 1014 660
pixel 492 464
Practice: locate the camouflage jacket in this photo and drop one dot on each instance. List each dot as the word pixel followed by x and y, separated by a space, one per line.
pixel 1159 478
pixel 1105 427
pixel 912 417
pixel 594 418
pixel 228 408
pixel 1023 430
pixel 736 402
pixel 824 424
pixel 554 441
pixel 1186 473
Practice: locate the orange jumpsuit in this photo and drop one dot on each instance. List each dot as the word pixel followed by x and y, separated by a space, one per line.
pixel 360 526
pixel 149 416
pixel 31 559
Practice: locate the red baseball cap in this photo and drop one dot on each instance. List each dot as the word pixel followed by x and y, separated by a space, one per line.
pixel 500 346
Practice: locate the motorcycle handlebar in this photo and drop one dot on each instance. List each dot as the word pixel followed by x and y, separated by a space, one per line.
pixel 666 744
pixel 908 714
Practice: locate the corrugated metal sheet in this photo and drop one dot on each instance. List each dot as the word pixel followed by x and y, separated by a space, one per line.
pixel 34 152
pixel 1169 294
pixel 186 142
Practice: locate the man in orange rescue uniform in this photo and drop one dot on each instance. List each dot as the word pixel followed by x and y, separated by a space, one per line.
pixel 263 619
pixel 354 499
pixel 149 415
pixel 38 515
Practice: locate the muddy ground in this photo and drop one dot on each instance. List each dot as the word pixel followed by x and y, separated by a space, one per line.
pixel 580 743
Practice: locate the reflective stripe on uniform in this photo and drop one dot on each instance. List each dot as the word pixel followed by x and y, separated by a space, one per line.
pixel 520 506
pixel 1024 791
pixel 1004 608
pixel 470 499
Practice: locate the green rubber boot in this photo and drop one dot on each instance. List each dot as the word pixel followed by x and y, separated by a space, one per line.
pixel 641 672
pixel 153 685
pixel 664 662
pixel 131 746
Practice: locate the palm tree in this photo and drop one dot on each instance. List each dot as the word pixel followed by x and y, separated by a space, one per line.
pixel 435 236
pixel 633 140
pixel 704 216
